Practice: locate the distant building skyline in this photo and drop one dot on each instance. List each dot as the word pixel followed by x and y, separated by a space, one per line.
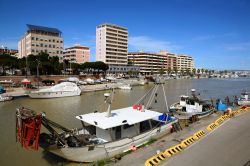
pixel 211 31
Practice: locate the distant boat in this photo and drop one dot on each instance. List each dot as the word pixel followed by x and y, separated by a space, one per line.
pixel 64 89
pixel 5 98
pixel 244 100
pixel 125 86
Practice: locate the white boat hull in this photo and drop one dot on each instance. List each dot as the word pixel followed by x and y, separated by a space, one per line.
pixel 46 95
pixel 110 149
pixel 245 102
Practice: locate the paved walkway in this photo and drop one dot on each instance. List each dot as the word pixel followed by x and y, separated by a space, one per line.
pixel 227 145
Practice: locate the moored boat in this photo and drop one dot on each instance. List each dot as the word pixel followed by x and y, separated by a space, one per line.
pixel 103 134
pixel 244 100
pixel 64 89
pixel 5 98
pixel 191 106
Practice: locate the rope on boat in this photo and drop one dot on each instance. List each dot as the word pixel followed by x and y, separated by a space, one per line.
pixel 152 95
pixel 166 102
pixel 144 96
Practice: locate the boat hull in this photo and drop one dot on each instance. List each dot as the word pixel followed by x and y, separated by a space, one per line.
pixel 110 149
pixel 46 95
pixel 245 102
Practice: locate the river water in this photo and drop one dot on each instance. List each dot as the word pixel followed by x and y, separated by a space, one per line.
pixel 64 110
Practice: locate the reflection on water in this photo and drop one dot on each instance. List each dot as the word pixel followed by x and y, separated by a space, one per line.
pixel 64 110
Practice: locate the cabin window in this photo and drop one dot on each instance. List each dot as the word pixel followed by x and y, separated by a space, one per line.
pixel 126 126
pixel 144 126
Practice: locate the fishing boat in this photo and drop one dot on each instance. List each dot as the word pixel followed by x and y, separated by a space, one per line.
pixel 5 98
pixel 103 134
pixel 191 106
pixel 64 89
pixel 244 100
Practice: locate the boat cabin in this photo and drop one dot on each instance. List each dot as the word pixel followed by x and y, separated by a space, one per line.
pixel 190 104
pixel 244 96
pixel 122 123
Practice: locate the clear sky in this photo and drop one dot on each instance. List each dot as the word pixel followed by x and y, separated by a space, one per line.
pixel 215 32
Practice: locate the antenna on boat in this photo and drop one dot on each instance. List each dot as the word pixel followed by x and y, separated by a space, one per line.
pixel 109 99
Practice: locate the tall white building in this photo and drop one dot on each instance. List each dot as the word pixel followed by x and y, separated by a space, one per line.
pixel 112 44
pixel 41 39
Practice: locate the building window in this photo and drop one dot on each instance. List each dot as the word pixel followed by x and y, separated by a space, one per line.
pixel 32 38
pixel 53 40
pixel 45 45
pixel 41 45
pixel 49 40
pixel 37 39
pixel 54 46
pixel 49 46
pixel 32 50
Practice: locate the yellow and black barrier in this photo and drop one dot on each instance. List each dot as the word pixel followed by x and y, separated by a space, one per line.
pixel 156 159
pixel 199 134
pixel 224 117
pixel 187 142
pixel 173 150
pixel 211 126
pixel 218 122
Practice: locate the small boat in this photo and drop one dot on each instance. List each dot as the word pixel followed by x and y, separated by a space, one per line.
pixel 190 106
pixel 5 98
pixel 103 134
pixel 64 89
pixel 125 87
pixel 244 100
pixel 90 81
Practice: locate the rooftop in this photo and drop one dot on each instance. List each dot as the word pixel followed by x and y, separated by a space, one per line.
pixel 42 28
pixel 112 25
pixel 119 117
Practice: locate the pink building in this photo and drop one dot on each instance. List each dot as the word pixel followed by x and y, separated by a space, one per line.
pixel 77 54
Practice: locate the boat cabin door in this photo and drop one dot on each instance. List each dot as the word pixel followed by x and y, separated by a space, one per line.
pixel 118 132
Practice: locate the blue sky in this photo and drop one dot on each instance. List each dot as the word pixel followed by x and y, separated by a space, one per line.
pixel 215 32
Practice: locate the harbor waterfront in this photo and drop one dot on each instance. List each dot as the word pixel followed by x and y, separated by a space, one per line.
pixel 64 110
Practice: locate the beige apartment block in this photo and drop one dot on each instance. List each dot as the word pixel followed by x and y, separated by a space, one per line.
pixel 171 62
pixel 77 54
pixel 149 63
pixel 112 44
pixel 185 62
pixel 41 39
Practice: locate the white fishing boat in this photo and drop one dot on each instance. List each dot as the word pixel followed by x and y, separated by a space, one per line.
pixel 64 89
pixel 103 134
pixel 244 100
pixel 190 106
pixel 5 98
pixel 125 87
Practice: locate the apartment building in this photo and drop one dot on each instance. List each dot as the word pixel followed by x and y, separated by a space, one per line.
pixel 149 63
pixel 171 62
pixel 185 62
pixel 77 54
pixel 41 39
pixel 112 44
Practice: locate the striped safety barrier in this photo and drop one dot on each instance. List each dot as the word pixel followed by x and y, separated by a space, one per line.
pixel 224 117
pixel 218 121
pixel 199 134
pixel 211 126
pixel 173 150
pixel 156 159
pixel 187 142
